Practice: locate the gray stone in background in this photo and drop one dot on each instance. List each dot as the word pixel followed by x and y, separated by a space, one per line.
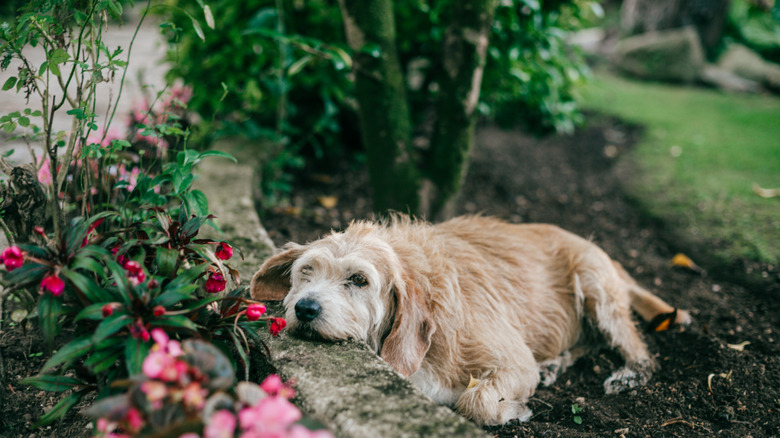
pixel 748 64
pixel 347 387
pixel 673 55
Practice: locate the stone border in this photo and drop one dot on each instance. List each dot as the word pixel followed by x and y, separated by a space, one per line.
pixel 344 385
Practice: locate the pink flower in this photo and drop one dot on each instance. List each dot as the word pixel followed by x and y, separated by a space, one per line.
pixel 44 173
pixel 189 435
pixel 221 425
pixel 215 283
pixel 165 344
pixel 156 363
pixel 271 413
pixel 155 390
pixel 273 385
pixel 12 258
pixel 158 310
pixel 134 420
pixel 277 324
pixel 135 272
pixel 255 311
pixel 131 177
pixel 224 251
pixel 298 431
pixel 140 111
pixel 194 397
pixel 54 284
pixel 180 96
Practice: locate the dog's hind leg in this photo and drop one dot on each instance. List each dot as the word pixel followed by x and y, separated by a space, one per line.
pixel 551 369
pixel 501 394
pixel 607 302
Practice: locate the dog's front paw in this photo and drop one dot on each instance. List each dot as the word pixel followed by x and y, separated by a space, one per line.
pixel 626 378
pixel 483 405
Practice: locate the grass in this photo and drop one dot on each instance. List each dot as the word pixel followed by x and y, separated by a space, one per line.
pixel 701 152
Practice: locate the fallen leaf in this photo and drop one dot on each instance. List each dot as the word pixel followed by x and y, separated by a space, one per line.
pixel 328 201
pixel 683 261
pixel 726 376
pixel 472 382
pixel 739 347
pixel 765 193
pixel 292 211
pixel 663 321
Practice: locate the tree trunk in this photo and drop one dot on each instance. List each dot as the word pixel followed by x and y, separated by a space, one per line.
pixel 383 109
pixel 23 202
pixel 708 17
pixel 464 52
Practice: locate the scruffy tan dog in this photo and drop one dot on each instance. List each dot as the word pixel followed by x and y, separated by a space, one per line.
pixel 474 297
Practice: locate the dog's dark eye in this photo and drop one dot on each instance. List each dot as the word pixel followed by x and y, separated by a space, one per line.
pixel 358 280
pixel 306 270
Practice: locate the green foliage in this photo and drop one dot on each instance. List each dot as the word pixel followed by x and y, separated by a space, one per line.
pixel 757 27
pixel 288 75
pixel 576 410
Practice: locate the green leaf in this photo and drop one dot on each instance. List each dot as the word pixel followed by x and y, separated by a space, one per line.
pixel 198 30
pixel 60 409
pixel 9 83
pixel 209 16
pixel 24 121
pixel 136 351
pixel 171 297
pixel 167 259
pixel 72 350
pixel 577 419
pixel 58 56
pixel 298 65
pixel 175 321
pixel 197 202
pixel 51 383
pixel 93 312
pixel 87 286
pixel 213 153
pixel 101 360
pixel 110 325
pixel 49 311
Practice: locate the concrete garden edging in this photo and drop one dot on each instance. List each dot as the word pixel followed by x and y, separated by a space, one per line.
pixel 344 385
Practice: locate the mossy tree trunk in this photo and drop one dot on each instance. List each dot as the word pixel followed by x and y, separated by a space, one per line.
pixel 401 178
pixel 464 50
pixel 384 111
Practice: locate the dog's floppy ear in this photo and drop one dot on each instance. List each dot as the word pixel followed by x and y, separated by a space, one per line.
pixel 272 281
pixel 410 338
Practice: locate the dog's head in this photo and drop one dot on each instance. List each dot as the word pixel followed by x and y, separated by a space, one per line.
pixel 351 285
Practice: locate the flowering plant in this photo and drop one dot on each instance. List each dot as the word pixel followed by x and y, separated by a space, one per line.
pixel 114 288
pixel 189 390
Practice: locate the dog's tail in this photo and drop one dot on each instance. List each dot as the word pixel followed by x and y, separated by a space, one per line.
pixel 650 307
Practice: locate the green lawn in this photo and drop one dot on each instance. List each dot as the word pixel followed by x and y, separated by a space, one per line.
pixel 697 161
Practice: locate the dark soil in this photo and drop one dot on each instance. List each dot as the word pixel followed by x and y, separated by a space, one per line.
pixel 704 387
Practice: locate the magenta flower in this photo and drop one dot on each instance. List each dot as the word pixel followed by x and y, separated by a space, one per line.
pixel 134 420
pixel 135 272
pixel 215 283
pixel 12 258
pixel 156 363
pixel 255 311
pixel 224 251
pixel 277 325
pixel 221 425
pixel 54 284
pixel 108 309
pixel 44 173
pixel 139 331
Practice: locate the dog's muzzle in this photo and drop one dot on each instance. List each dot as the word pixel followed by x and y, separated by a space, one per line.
pixel 307 310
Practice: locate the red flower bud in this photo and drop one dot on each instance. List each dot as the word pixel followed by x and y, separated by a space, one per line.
pixel 255 311
pixel 277 324
pixel 39 230
pixel 108 309
pixel 158 310
pixel 135 272
pixel 54 284
pixel 12 257
pixel 215 283
pixel 224 251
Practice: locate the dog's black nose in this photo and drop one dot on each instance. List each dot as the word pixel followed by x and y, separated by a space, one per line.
pixel 306 310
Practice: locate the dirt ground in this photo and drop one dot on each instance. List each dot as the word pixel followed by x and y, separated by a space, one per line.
pixel 704 387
